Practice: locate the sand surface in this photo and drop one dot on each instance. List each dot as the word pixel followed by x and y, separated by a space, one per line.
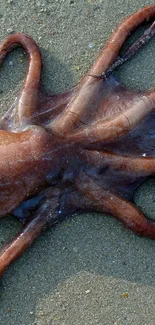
pixel 88 270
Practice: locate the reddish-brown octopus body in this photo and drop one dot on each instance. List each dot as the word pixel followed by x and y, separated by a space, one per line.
pixel 84 150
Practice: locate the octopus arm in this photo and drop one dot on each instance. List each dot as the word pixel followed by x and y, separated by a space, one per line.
pixel 106 201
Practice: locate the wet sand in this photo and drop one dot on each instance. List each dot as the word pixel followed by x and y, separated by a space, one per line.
pixel 88 270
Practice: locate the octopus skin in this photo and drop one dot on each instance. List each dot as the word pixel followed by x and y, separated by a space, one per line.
pixel 87 149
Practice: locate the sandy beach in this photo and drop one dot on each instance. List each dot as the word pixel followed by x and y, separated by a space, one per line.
pixel 87 270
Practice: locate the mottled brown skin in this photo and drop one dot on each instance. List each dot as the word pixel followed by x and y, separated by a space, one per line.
pixel 84 150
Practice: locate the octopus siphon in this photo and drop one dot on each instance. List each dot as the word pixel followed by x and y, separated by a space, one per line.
pixel 86 149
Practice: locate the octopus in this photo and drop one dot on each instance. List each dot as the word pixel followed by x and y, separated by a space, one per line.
pixel 86 149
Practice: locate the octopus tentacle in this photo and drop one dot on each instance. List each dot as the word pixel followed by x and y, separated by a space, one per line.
pixel 108 202
pixel 90 88
pixel 151 94
pixel 112 48
pixel 144 166
pixel 134 48
pixel 47 211
pixel 112 129
pixel 27 103
pixel 23 240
